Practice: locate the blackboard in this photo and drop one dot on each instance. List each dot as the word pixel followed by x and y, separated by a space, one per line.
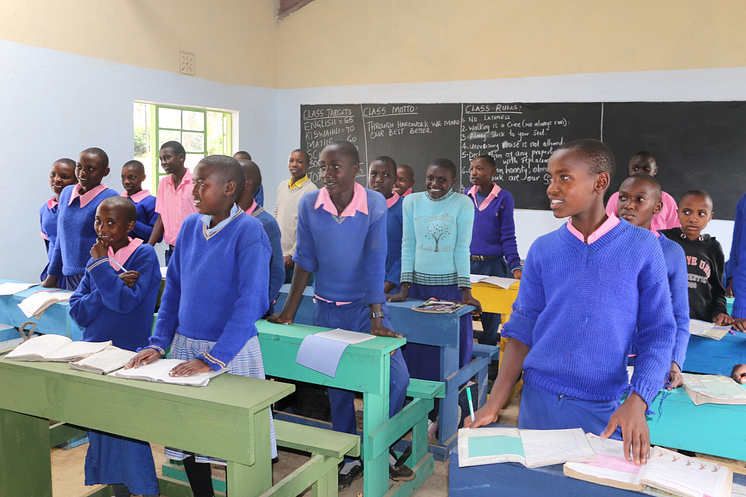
pixel 697 144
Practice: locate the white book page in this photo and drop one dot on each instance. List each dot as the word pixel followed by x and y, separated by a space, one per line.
pixel 39 346
pixel 13 288
pixel 159 371
pixel 106 361
pixel 476 278
pixel 610 463
pixel 350 337
pixel 498 281
pixel 688 476
pixel 545 447
pixel 489 445
pixel 76 350
pixel 33 303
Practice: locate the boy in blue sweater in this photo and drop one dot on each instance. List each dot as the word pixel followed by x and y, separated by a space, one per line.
pixel 61 175
pixel 381 179
pixel 248 203
pixel 639 200
pixel 259 192
pixel 109 309
pixel 133 174
pixel 342 239
pixel 216 289
pixel 570 331
pixel 77 210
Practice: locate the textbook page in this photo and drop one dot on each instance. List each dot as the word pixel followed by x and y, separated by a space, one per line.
pixel 489 445
pixel 104 362
pixel 13 288
pixel 686 476
pixel 351 337
pixel 498 281
pixel 610 467
pixel 159 371
pixel 476 278
pixel 38 346
pixel 76 350
pixel 707 330
pixel 36 304
pixel 547 447
pixel 713 389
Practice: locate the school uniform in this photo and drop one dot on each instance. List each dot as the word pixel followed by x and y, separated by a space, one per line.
pixel 109 310
pixel 146 215
pixel 677 281
pixel 289 194
pixel 667 218
pixel 435 261
pixel 174 205
pixel 276 263
pixel 494 250
pixel 75 232
pixel 581 308
pixel 347 253
pixel 394 224
pixel 216 289
pixel 48 214
pixel 705 264
pixel 259 196
pixel 408 192
pixel 737 261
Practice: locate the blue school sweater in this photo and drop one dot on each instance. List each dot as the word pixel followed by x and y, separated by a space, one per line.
pixel 436 239
pixel 259 196
pixel 277 262
pixel 75 233
pixel 48 221
pixel 107 309
pixel 216 287
pixel 394 224
pixel 494 229
pixel 347 254
pixel 737 261
pixel 677 282
pixel 146 218
pixel 581 308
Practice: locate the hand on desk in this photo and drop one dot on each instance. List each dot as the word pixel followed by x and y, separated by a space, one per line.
pixel 482 417
pixel 517 273
pixel 723 319
pixel 190 368
pixel 674 377
pixel 278 318
pixel 381 331
pixel 739 373
pixel 50 282
pixel 144 357
pixel 129 278
pixel 630 416
pixel 469 300
pixel 739 324
pixel 401 296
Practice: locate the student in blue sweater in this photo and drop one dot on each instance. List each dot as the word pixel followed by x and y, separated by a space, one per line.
pixel 77 210
pixel 590 291
pixel 342 239
pixel 737 267
pixel 259 192
pixel 494 250
pixel 381 179
pixel 216 289
pixel 248 203
pixel 61 176
pixel 638 201
pixel 109 309
pixel 133 174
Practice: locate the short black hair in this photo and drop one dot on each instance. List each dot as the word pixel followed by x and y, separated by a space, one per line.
pixel 643 153
pixel 594 153
pixel 347 148
pixel 698 193
pixel 67 162
pixel 447 164
pixel 98 153
pixel 124 204
pixel 136 164
pixel 251 172
pixel 490 160
pixel 406 168
pixel 650 180
pixel 301 151
pixel 175 146
pixel 242 152
pixel 228 169
pixel 388 160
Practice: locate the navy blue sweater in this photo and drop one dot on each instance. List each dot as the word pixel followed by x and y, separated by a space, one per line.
pixel 107 309
pixel 146 218
pixel 277 262
pixel 494 230
pixel 581 308
pixel 48 221
pixel 677 281
pixel 393 237
pixel 216 287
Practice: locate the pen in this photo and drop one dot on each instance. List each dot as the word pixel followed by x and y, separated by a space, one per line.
pixel 471 404
pixel 115 262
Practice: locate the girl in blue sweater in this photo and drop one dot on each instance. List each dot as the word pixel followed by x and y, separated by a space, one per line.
pixel 61 176
pixel 590 292
pixel 216 289
pixel 381 179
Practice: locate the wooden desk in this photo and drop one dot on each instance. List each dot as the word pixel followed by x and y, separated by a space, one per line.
pixel 228 419
pixel 707 356
pixel 55 319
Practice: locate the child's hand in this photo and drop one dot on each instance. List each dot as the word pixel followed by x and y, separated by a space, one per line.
pixel 289 262
pixel 739 373
pixel 129 277
pixel 99 250
pixel 729 289
pixel 144 357
pixel 397 297
pixel 381 331
pixel 484 416
pixel 739 324
pixel 278 318
pixel 723 319
pixel 50 282
pixel 190 368
pixel 517 274
pixel 469 300
pixel 674 377
pixel 630 416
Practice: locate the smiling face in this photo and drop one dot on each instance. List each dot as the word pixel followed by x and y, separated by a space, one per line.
pixel 638 202
pixel 171 162
pixel 338 170
pixel 298 165
pixel 481 172
pixel 132 179
pixel 90 171
pixel 572 188
pixel 439 181
pixel 60 176
pixel 642 164
pixel 211 193
pixel 381 178
pixel 404 180
pixel 111 226
pixel 695 211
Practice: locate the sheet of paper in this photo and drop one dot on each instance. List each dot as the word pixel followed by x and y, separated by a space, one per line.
pixel 738 490
pixel 163 271
pixel 683 475
pixel 497 281
pixel 707 330
pixel 159 371
pixel 545 447
pixel 321 354
pixel 610 463
pixel 13 288
pixel 39 345
pixel 109 359
pixel 350 337
pixel 476 278
pixel 489 445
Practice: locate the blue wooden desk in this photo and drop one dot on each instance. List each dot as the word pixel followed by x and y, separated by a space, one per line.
pixel 56 319
pixel 440 330
pixel 704 355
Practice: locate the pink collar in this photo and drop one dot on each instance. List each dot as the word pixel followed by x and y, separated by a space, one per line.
pixel 656 233
pixel 601 231
pixel 52 203
pixel 409 191
pixel 137 197
pixel 87 196
pixel 392 200
pixel 359 202
pixel 186 179
pixel 124 253
pixel 493 194
pixel 253 207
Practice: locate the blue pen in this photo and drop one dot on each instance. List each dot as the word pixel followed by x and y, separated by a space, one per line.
pixel 471 404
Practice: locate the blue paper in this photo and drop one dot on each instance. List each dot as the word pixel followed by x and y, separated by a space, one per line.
pixel 321 354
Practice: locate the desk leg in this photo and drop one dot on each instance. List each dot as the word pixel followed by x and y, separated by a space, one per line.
pixel 250 481
pixel 25 459
pixel 448 410
pixel 376 468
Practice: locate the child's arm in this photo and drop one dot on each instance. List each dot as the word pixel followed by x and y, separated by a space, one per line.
pixel 85 302
pixel 115 293
pixel 737 245
pixel 676 263
pixel 145 230
pixel 630 416
pixel 462 253
pixel 157 234
pixel 374 266
pixel 718 305
pixel 506 221
pixel 277 262
pixel 407 250
pixel 168 313
pixel 54 270
pixel 297 286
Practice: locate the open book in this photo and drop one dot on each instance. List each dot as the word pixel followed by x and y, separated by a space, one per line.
pixel 532 448
pixel 104 362
pixel 10 288
pixel 707 330
pixel 492 280
pixel 54 348
pixel 713 389
pixel 666 470
pixel 36 304
pixel 159 371
pixel 439 306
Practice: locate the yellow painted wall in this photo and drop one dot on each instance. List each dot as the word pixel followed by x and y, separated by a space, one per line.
pixel 234 41
pixel 349 42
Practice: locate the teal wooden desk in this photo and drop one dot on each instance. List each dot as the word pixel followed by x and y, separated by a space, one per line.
pixel 228 419
pixel 55 320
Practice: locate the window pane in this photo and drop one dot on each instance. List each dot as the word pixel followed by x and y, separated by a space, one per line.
pixel 193 142
pixel 169 118
pixel 194 121
pixel 192 160
pixel 167 136
pixel 215 133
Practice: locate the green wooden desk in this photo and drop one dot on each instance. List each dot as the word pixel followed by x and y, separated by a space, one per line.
pixel 228 419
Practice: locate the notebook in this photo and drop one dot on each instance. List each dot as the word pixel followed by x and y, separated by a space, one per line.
pixel 54 348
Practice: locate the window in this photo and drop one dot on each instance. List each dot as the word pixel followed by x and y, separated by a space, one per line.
pixel 202 132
